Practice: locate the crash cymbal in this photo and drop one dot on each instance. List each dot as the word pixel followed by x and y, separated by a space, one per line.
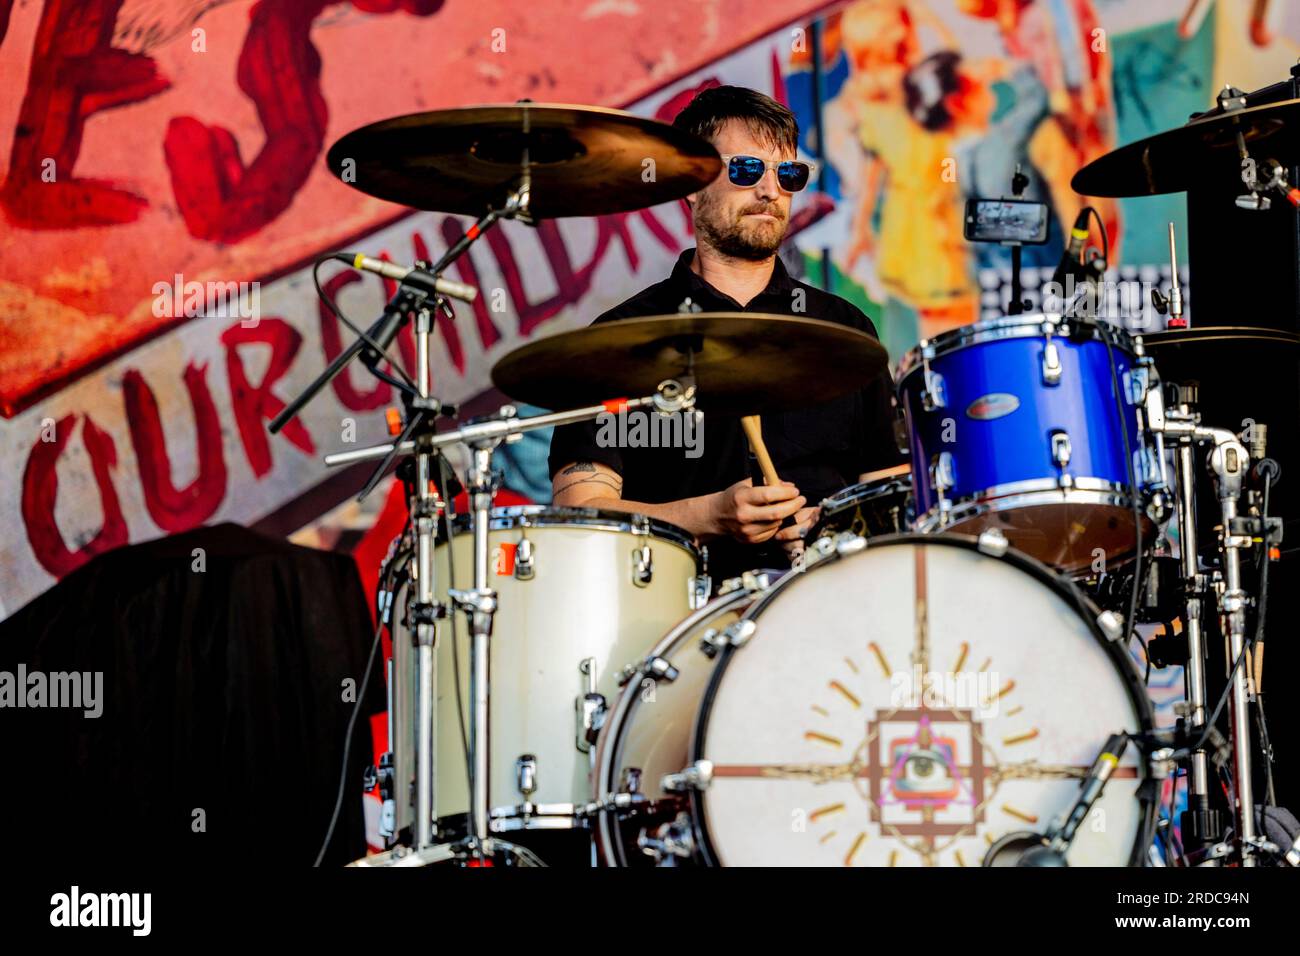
pixel 1174 161
pixel 582 160
pixel 744 362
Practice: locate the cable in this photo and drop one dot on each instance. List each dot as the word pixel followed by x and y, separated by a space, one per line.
pixel 406 385
pixel 347 743
pixel 1261 610
pixel 386 576
pixel 1101 228
pixel 1218 709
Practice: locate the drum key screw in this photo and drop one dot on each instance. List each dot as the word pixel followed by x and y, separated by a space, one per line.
pixel 697 776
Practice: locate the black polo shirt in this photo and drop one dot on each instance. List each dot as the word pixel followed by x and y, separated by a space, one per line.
pixel 822 448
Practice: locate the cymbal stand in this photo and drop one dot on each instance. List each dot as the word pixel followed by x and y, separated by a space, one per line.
pixel 1228 464
pixel 418 437
pixel 1199 822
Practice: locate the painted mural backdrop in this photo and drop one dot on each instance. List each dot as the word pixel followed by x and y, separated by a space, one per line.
pixel 164 192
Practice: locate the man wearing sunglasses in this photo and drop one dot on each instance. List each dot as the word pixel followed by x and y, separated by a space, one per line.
pixel 740 220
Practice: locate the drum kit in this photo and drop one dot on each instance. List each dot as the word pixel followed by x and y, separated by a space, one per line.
pixel 939 680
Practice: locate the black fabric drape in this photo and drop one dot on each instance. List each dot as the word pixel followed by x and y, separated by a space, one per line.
pixel 223 692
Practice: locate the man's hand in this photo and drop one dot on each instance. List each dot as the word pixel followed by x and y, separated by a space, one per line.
pixel 754 515
pixel 791 538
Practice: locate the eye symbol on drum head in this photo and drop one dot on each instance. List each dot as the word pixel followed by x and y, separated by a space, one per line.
pixel 991 406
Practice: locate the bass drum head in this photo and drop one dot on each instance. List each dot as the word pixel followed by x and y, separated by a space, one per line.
pixel 909 705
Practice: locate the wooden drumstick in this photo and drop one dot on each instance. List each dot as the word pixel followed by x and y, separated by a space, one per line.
pixel 754 432
pixel 895 472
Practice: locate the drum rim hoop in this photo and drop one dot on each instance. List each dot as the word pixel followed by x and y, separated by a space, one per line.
pixel 1008 327
pixel 1066 589
pixel 596 519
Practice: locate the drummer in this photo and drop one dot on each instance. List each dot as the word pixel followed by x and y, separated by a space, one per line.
pixel 740 220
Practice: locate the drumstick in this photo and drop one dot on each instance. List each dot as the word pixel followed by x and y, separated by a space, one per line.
pixel 754 432
pixel 893 472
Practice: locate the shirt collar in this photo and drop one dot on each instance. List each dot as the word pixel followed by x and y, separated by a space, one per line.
pixel 689 283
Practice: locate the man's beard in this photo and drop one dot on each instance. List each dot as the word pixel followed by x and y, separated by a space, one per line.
pixel 731 237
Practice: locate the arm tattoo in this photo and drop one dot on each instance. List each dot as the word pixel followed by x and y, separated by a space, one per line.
pixel 578 467
pixel 608 480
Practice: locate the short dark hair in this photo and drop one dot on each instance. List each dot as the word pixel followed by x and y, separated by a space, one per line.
pixel 766 120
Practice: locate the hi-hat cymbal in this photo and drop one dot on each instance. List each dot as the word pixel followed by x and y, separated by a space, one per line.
pixel 744 362
pixel 581 160
pixel 1232 358
pixel 1174 161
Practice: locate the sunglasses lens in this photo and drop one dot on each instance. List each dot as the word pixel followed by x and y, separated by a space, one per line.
pixel 793 176
pixel 745 170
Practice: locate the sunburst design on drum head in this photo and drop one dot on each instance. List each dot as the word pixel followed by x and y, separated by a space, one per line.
pixel 937 734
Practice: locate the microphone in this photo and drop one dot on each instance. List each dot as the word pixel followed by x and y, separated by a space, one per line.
pixel 1028 849
pixel 1057 839
pixel 414 277
pixel 1069 264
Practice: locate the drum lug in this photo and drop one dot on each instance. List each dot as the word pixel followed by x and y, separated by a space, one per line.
pixel 943 475
pixel 935 392
pixel 1051 363
pixel 525 560
pixel 697 776
pixel 643 568
pixel 591 717
pixel 671 842
pixel 700 588
pixel 591 708
pixel 1061 453
pixel 1146 468
pixel 526 776
pixel 1137 381
pixel 993 543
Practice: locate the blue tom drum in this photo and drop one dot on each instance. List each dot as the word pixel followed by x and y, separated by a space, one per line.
pixel 1013 424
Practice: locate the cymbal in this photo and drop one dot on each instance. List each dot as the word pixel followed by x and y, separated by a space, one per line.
pixel 1230 357
pixel 744 362
pixel 1173 161
pixel 582 160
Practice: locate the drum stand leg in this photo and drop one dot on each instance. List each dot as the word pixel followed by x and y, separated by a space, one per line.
pixel 479 605
pixel 425 609
pixel 1229 462
pixel 1197 821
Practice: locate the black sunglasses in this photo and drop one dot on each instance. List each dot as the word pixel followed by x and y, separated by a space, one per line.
pixel 791 174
